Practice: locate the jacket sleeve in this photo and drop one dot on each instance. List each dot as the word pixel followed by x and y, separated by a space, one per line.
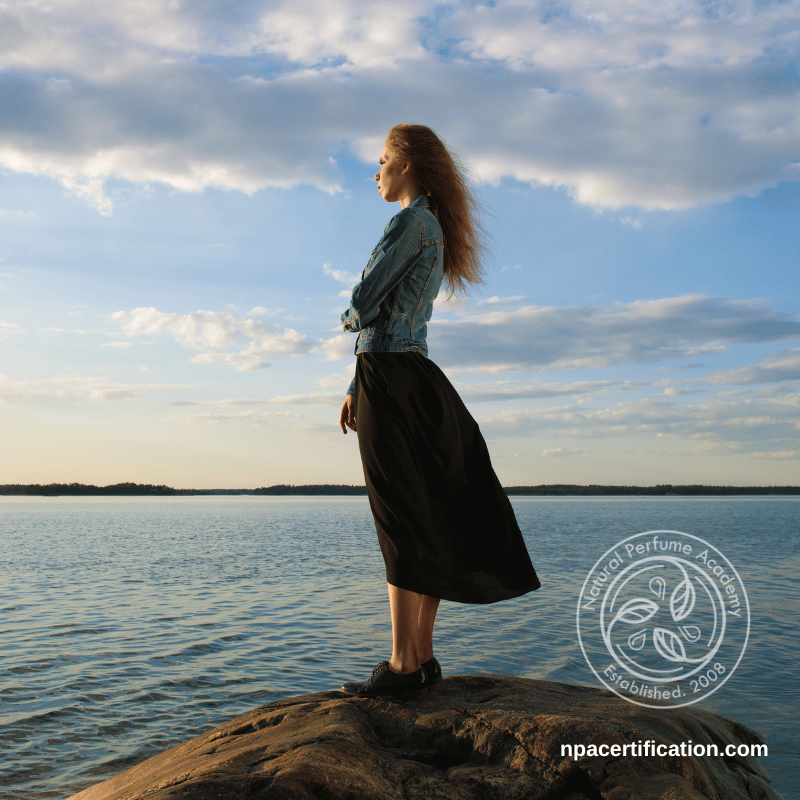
pixel 351 389
pixel 398 251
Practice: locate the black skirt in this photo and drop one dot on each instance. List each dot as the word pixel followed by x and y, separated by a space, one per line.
pixel 445 526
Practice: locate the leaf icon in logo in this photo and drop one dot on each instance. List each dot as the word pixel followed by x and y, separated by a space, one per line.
pixel 658 586
pixel 682 600
pixel 668 645
pixel 636 641
pixel 690 632
pixel 636 611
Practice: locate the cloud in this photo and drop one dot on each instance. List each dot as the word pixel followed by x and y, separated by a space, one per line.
pixel 14 391
pixel 779 455
pixel 18 216
pixel 118 38
pixel 9 328
pixel 338 380
pixel 313 399
pixel 348 278
pixel 645 331
pixel 261 311
pixel 512 390
pixel 211 331
pixel 231 402
pixel 560 451
pixel 337 347
pixel 678 391
pixel 112 394
pixel 242 415
pixel 664 105
pixel 496 300
pixel 70 387
pixel 97 390
pixel 778 367
pixel 742 423
pixel 526 339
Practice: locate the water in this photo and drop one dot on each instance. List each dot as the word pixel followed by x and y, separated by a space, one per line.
pixel 128 625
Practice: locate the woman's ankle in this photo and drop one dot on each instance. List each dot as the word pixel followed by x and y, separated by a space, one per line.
pixel 403 667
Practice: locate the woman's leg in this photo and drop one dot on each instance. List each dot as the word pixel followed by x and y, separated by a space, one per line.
pixel 427 616
pixel 413 616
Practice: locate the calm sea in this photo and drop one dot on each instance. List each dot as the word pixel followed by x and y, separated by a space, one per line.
pixel 130 625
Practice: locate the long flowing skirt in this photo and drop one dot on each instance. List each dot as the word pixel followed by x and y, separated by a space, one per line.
pixel 445 526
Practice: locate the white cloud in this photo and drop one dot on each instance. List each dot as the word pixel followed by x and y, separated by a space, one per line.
pixel 337 347
pixel 745 424
pixel 607 34
pixel 15 391
pixel 348 278
pixel 260 311
pixel 231 402
pixel 96 389
pixel 678 391
pixel 337 380
pixel 369 35
pixel 210 331
pixel 242 415
pixel 497 300
pixel 9 328
pixel 664 105
pixel 18 216
pixel 560 451
pixel 112 394
pixel 72 388
pixel 783 365
pixel 645 331
pixel 513 390
pixel 313 399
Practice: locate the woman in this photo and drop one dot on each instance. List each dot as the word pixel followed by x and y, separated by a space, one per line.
pixel 445 526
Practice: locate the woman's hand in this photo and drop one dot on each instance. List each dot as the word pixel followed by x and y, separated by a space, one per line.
pixel 347 416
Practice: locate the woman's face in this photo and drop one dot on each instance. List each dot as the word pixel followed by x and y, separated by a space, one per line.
pixel 394 178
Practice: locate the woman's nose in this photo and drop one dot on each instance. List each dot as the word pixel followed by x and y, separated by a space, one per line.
pixel 377 175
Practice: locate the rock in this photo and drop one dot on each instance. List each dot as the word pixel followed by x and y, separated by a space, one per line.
pixel 475 737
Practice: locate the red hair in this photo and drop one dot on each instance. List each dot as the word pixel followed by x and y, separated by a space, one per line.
pixel 443 178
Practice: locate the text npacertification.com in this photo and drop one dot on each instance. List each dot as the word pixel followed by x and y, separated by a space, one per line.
pixel 649 747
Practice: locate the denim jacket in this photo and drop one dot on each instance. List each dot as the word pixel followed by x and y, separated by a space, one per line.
pixel 392 304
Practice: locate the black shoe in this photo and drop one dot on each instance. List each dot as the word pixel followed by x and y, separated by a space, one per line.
pixel 384 681
pixel 433 671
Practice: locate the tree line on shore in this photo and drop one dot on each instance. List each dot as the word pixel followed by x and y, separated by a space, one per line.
pixel 557 489
pixel 116 489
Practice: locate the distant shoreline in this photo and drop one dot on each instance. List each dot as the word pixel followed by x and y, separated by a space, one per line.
pixel 548 490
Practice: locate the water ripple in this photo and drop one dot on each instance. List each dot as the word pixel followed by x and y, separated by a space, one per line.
pixel 129 625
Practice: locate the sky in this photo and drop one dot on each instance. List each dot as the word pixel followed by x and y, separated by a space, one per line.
pixel 187 199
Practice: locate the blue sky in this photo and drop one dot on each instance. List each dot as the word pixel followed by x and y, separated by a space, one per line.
pixel 187 199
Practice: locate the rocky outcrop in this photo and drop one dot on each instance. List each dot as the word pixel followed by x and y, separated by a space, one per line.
pixel 475 737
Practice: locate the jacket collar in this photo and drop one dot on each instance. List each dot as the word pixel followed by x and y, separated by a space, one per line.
pixel 421 202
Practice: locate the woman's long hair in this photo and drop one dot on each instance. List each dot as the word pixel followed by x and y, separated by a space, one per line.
pixel 443 179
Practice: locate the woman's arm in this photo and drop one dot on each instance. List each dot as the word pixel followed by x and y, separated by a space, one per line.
pixel 398 251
